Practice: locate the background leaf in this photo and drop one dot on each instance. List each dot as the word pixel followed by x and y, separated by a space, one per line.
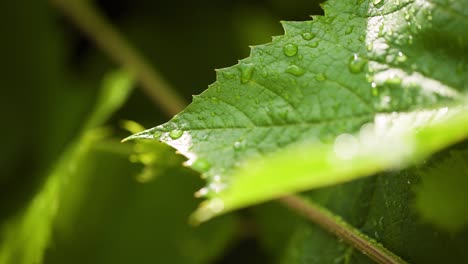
pixel 381 207
pixel 142 222
pixel 441 194
pixel 24 236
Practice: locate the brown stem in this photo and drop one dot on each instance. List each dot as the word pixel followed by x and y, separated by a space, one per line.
pixel 98 28
pixel 343 230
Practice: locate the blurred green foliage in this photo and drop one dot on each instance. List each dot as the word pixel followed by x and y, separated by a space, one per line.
pixel 51 74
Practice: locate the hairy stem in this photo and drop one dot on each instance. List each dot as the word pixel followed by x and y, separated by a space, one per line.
pixel 99 29
pixel 326 220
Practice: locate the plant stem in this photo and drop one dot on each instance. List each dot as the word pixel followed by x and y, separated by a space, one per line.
pixel 326 220
pixel 98 28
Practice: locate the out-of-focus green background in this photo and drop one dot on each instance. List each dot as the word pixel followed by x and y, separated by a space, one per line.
pixel 50 78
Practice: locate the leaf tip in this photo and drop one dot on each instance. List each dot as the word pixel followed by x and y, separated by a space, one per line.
pixel 147 134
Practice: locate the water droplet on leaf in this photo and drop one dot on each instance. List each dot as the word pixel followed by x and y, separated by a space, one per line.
pixel 401 57
pixel 201 165
pixel 308 35
pixel 246 72
pixel 295 70
pixel 290 49
pixel 314 44
pixel 356 64
pixel 238 145
pixel 395 80
pixel 157 134
pixel 349 30
pixel 375 91
pixel 176 133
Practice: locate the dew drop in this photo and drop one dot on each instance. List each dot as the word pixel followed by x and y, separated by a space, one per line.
pixel 320 77
pixel 238 145
pixel 295 70
pixel 314 44
pixel 401 57
pixel 290 50
pixel 395 80
pixel 374 90
pixel 308 35
pixel 201 164
pixel 356 64
pixel 176 133
pixel 349 30
pixel 246 72
pixel 157 134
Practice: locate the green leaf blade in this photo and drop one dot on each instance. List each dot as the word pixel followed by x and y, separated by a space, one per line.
pixel 322 79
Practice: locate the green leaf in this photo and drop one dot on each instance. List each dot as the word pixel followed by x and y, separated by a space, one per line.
pixel 361 62
pixel 381 207
pixel 441 196
pixel 389 143
pixel 25 235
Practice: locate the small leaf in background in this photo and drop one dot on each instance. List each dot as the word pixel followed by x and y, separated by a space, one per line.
pixel 441 197
pixel 25 236
pixel 382 207
pixel 117 219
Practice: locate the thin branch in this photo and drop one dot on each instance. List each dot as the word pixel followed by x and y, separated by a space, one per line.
pixel 326 220
pixel 99 29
